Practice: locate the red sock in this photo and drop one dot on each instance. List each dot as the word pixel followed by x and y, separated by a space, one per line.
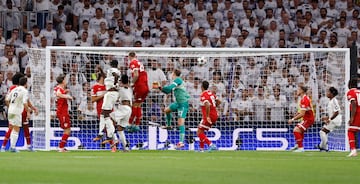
pixel 351 136
pixel 27 134
pixel 204 139
pixel 131 119
pixel 63 140
pixel 299 139
pixel 138 115
pixel 7 137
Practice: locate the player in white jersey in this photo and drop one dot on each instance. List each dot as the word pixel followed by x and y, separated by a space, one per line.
pixel 332 120
pixel 110 99
pixel 17 100
pixel 122 112
pixel 113 71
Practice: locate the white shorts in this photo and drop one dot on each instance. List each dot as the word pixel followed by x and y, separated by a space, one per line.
pixel 333 123
pixel 110 98
pixel 121 115
pixel 15 120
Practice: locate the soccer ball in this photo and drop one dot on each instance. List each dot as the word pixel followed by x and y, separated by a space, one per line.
pixel 201 60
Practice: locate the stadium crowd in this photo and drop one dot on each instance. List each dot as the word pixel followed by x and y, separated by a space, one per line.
pixel 188 23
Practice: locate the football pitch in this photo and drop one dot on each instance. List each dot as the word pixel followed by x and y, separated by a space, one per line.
pixel 183 167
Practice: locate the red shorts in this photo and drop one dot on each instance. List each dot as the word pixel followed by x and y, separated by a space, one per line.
pixel 355 125
pixel 140 93
pixel 64 120
pixel 305 124
pixel 205 125
pixel 356 121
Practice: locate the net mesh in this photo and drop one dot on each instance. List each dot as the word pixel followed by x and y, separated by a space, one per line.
pixel 257 90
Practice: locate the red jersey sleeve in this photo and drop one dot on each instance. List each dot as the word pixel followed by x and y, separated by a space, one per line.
pixel 351 95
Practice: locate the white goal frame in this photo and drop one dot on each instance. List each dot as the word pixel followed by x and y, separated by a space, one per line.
pixel 151 51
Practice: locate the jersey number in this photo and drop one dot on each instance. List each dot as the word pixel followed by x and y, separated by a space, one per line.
pixel 13 98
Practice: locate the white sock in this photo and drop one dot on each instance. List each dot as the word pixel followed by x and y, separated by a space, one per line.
pixel 115 138
pixel 324 139
pixel 122 138
pixel 101 125
pixel 13 139
pixel 110 129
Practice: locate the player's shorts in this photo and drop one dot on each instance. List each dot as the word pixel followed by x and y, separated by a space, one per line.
pixel 356 121
pixel 64 120
pixel 205 125
pixel 181 108
pixel 140 93
pixel 110 98
pixel 305 124
pixel 333 123
pixel 15 119
pixel 121 115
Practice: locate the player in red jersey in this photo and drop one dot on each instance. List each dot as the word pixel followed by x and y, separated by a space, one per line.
pixel 208 102
pixel 140 90
pixel 62 110
pixel 98 91
pixel 306 113
pixel 25 122
pixel 353 96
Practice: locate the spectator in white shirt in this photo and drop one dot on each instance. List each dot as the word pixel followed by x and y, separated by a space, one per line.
pixel 49 33
pixel 69 36
pixel 15 39
pixel 59 20
pixel 97 20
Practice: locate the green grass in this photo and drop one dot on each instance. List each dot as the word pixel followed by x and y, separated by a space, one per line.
pixel 185 167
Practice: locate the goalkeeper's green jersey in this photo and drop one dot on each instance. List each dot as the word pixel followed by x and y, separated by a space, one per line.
pixel 181 95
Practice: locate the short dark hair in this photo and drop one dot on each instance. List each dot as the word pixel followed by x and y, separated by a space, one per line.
pixel 304 88
pixel 205 85
pixel 177 72
pixel 114 63
pixel 333 91
pixel 16 78
pixel 132 54
pixel 60 79
pixel 352 82
pixel 124 79
pixel 22 81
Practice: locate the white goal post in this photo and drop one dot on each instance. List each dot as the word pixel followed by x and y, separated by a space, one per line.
pixel 256 87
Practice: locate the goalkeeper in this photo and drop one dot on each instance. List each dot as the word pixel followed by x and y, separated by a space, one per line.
pixel 181 104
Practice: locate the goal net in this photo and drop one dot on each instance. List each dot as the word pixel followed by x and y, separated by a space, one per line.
pixel 257 88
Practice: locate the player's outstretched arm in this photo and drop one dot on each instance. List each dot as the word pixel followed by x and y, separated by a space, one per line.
pixel 167 89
